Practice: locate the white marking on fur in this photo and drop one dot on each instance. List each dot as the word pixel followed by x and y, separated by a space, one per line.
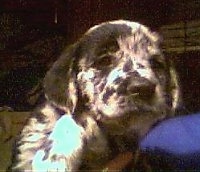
pixel 66 127
pixel 175 92
pixel 48 165
pixel 114 74
pixel 67 141
pixel 74 98
pixel 87 76
pixel 48 110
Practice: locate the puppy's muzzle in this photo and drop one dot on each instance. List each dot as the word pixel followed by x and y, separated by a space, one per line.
pixel 137 86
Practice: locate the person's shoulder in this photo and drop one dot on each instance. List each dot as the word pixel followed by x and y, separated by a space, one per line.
pixel 175 141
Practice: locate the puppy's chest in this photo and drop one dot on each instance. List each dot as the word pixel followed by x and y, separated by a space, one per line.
pixel 100 150
pixel 103 143
pixel 96 152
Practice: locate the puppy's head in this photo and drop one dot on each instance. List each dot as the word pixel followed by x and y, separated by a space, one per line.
pixel 118 67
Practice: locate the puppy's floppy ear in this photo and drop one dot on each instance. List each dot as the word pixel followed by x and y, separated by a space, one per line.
pixel 60 81
pixel 174 88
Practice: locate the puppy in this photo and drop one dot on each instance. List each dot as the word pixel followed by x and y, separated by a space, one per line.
pixel 103 94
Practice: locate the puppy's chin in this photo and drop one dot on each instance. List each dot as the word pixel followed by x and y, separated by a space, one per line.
pixel 132 120
pixel 126 106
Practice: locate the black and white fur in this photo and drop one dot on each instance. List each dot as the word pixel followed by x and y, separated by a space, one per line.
pixel 103 94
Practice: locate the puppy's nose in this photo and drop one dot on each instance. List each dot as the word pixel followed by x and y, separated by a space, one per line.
pixel 141 87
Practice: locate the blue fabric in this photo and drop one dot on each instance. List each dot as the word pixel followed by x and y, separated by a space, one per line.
pixel 178 137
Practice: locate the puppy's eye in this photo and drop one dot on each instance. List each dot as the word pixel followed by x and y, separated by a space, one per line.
pixel 103 61
pixel 157 64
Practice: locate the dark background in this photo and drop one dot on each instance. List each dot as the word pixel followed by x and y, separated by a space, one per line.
pixel 34 32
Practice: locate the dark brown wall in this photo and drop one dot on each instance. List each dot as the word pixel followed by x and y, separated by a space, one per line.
pixel 76 16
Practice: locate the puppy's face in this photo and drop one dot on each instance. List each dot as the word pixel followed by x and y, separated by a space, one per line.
pixel 125 77
pixel 124 81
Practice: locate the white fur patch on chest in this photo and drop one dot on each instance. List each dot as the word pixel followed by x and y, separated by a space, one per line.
pixel 66 140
